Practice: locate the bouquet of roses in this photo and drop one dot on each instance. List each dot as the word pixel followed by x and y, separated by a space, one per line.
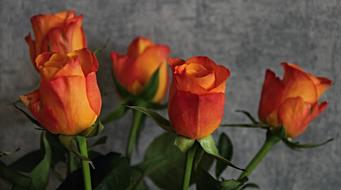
pixel 66 108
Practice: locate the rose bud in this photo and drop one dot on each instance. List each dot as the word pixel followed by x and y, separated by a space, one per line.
pixel 68 100
pixel 59 32
pixel 135 69
pixel 292 102
pixel 197 96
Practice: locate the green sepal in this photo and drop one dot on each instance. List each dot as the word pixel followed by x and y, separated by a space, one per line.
pixel 183 143
pixel 298 146
pixel 230 184
pixel 277 131
pixel 225 148
pixel 159 119
pixel 151 87
pixel 209 146
pixel 117 113
pixel 94 130
pixel 70 144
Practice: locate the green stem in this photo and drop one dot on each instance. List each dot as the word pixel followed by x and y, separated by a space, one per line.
pixel 137 122
pixel 85 164
pixel 271 140
pixel 188 167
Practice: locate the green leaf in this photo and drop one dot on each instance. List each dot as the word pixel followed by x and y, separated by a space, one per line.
pixel 160 120
pixel 225 148
pixel 118 177
pixel 183 143
pixel 205 181
pixel 210 147
pixel 28 161
pixel 117 113
pixel 137 179
pixel 164 163
pixel 12 176
pixel 112 172
pixel 40 174
pixel 248 115
pixel 151 87
pixel 58 150
pixel 297 145
pixel 100 141
pixel 230 184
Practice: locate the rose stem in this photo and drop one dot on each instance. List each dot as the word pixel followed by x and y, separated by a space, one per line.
pixel 85 164
pixel 188 167
pixel 271 140
pixel 138 118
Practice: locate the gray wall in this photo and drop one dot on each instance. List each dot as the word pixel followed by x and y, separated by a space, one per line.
pixel 246 36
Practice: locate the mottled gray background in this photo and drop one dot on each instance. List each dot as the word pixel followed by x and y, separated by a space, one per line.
pixel 246 36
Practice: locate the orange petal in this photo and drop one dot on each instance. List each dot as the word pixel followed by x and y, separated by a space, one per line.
pixel 32 101
pixel 67 98
pixel 322 84
pixel 163 84
pixel 75 33
pixel 270 98
pixel 31 45
pixel 296 115
pixel 298 83
pixel 221 75
pixel 149 61
pixel 52 65
pixel 122 65
pixel 87 60
pixel 138 46
pixel 93 93
pixel 173 62
pixel 42 24
pixel 195 116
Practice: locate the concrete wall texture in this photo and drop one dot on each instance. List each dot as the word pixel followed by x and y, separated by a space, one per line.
pixel 246 36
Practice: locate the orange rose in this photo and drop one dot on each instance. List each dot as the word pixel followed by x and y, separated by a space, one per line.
pixel 68 100
pixel 293 101
pixel 197 96
pixel 60 32
pixel 134 70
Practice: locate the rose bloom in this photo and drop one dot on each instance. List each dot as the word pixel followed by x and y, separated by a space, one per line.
pixel 197 96
pixel 292 102
pixel 68 100
pixel 59 32
pixel 135 69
